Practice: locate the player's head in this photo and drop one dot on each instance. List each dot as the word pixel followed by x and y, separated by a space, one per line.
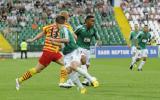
pixel 145 29
pixel 60 20
pixel 136 27
pixel 89 21
pixel 65 14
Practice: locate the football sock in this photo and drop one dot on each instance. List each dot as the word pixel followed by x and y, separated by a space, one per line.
pixel 27 75
pixel 141 64
pixel 84 67
pixel 133 60
pixel 84 73
pixel 73 76
pixel 63 74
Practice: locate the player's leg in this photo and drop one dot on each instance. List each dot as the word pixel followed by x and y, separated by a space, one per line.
pixel 83 62
pixel 133 60
pixel 75 66
pixel 83 53
pixel 74 77
pixel 44 61
pixel 25 54
pixel 28 74
pixel 21 54
pixel 31 72
pixel 136 58
pixel 144 58
pixel 73 61
pixel 142 64
pixel 63 74
pixel 86 67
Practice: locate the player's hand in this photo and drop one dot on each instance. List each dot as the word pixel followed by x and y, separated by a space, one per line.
pixel 99 43
pixel 30 40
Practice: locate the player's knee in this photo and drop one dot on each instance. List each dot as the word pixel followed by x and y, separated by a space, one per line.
pixel 39 68
pixel 83 59
pixel 145 59
pixel 74 65
pixel 69 70
pixel 138 59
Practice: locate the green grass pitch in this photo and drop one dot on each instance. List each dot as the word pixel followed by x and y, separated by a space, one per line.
pixel 117 82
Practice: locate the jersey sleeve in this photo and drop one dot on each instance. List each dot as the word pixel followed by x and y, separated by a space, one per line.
pixel 131 36
pixel 97 37
pixel 66 33
pixel 150 37
pixel 139 35
pixel 45 29
pixel 78 29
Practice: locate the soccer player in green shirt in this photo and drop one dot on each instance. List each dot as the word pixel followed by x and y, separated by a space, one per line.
pixel 85 33
pixel 143 38
pixel 72 58
pixel 134 50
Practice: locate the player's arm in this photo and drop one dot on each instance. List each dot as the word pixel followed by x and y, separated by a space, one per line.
pixel 139 36
pixel 97 37
pixel 71 29
pixel 150 40
pixel 38 36
pixel 77 31
pixel 75 36
pixel 130 39
pixel 63 40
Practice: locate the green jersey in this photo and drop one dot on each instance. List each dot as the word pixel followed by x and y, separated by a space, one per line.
pixel 85 36
pixel 142 39
pixel 132 38
pixel 71 45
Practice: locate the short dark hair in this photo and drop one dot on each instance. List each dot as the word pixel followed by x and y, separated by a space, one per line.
pixel 60 19
pixel 88 17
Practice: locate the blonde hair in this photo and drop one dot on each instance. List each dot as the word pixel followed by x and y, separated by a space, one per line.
pixel 65 14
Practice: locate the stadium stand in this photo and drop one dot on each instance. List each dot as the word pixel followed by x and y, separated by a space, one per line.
pixel 144 13
pixel 22 19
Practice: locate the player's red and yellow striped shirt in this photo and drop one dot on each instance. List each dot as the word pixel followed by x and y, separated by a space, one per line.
pixel 51 31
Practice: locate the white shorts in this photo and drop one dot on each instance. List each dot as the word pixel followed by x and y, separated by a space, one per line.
pixel 138 54
pixel 144 53
pixel 73 56
pixel 86 52
pixel 133 50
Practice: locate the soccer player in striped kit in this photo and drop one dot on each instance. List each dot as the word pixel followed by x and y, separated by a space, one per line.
pixel 51 51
